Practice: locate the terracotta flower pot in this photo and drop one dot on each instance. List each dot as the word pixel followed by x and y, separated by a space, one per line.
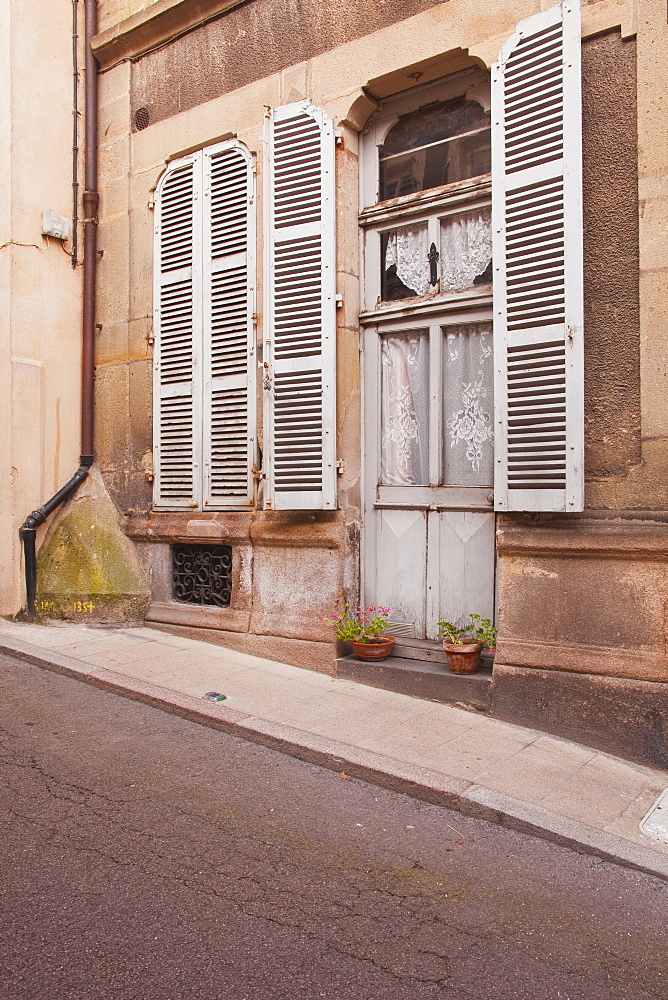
pixel 463 658
pixel 377 650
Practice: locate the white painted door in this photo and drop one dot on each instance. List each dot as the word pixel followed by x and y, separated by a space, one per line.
pixel 429 519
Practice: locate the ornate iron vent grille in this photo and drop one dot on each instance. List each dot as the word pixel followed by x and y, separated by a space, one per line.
pixel 202 574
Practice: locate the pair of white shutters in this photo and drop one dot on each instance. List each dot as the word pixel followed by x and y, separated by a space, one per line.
pixel 204 298
pixel 204 410
pixel 204 392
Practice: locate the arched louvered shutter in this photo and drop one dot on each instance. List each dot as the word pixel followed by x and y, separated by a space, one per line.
pixel 229 346
pixel 300 312
pixel 177 317
pixel 204 399
pixel 538 308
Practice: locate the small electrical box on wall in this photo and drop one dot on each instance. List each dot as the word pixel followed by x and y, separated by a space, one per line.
pixel 55 225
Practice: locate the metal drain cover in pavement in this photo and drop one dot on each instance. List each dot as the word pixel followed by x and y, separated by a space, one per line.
pixel 214 696
pixel 655 823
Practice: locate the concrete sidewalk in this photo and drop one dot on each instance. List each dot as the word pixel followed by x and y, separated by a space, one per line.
pixel 519 777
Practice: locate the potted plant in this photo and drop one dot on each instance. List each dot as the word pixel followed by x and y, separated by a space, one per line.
pixel 464 644
pixel 364 630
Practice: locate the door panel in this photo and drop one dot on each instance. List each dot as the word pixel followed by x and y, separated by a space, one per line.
pixel 466 564
pixel 401 558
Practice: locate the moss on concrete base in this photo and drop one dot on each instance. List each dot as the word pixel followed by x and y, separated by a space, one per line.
pixel 87 569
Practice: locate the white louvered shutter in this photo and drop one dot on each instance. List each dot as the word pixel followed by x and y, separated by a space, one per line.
pixel 177 316
pixel 229 342
pixel 538 297
pixel 300 311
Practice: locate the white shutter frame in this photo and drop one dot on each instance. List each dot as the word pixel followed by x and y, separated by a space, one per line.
pixel 177 399
pixel 538 281
pixel 228 262
pixel 299 363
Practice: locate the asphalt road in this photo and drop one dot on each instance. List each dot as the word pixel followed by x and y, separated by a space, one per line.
pixel 143 857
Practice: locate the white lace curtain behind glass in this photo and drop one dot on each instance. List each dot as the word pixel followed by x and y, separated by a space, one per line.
pixel 405 408
pixel 468 400
pixel 465 252
pixel 466 248
pixel 407 250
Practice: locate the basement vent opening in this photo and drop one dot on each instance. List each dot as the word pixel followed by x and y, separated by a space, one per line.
pixel 202 574
pixel 142 119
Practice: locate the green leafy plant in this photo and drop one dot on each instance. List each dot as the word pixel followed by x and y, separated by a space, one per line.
pixel 476 629
pixel 361 624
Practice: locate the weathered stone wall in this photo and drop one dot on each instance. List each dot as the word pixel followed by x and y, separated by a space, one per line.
pixel 611 256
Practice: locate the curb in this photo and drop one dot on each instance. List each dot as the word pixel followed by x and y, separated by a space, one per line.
pixel 398 776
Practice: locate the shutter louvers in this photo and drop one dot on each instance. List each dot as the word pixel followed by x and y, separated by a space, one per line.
pixel 300 313
pixel 538 290
pixel 176 314
pixel 229 411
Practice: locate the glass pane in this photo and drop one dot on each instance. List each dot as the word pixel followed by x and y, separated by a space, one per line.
pixel 468 405
pixel 466 250
pixel 440 144
pixel 404 263
pixel 405 408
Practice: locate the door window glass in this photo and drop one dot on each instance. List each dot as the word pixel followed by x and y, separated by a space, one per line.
pixel 468 400
pixel 405 408
pixel 405 262
pixel 466 250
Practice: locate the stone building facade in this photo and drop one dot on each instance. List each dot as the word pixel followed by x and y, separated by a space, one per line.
pixel 227 98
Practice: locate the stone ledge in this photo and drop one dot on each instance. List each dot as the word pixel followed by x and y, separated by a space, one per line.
pixel 232 527
pixel 582 658
pixel 420 679
pixel 157 24
pixel 583 538
pixel 295 529
pixel 162 21
pixel 228 619
pixel 626 718
pixel 317 656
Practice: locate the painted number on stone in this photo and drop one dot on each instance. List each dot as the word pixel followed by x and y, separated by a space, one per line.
pixel 83 606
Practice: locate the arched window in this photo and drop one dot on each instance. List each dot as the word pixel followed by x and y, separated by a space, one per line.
pixel 442 143
pixel 428 205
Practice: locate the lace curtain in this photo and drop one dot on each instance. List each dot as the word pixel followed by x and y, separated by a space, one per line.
pixel 468 395
pixel 466 249
pixel 408 250
pixel 405 408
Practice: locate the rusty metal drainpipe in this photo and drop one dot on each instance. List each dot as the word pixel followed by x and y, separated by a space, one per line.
pixel 28 530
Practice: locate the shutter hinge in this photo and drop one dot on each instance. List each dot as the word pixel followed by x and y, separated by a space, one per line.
pixel 339 301
pixel 151 201
pixel 340 468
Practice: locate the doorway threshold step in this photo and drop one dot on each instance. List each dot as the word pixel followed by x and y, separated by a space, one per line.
pixel 421 679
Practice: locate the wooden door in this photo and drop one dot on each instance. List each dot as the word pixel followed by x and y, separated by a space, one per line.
pixel 429 518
